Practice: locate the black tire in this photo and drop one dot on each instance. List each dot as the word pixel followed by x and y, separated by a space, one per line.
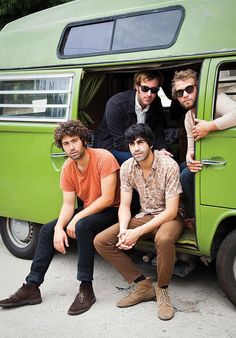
pixel 226 266
pixel 20 237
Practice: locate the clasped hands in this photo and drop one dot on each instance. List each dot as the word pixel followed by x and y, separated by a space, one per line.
pixel 128 238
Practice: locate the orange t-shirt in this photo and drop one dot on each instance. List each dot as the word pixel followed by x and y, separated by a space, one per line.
pixel 87 185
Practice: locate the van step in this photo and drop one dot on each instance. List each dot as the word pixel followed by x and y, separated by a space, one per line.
pixel 187 237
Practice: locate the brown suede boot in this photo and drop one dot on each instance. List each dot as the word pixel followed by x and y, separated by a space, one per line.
pixel 28 294
pixel 143 292
pixel 83 301
pixel 164 307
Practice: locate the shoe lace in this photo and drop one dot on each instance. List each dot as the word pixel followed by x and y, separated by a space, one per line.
pixel 133 289
pixel 84 293
pixel 164 297
pixel 81 297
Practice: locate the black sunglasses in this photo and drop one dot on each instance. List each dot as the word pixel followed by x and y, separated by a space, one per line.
pixel 146 89
pixel 189 89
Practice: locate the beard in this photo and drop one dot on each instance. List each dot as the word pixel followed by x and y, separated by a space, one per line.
pixel 142 156
pixel 76 155
pixel 189 104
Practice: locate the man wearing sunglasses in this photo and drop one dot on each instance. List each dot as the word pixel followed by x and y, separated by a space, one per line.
pixel 185 90
pixel 138 105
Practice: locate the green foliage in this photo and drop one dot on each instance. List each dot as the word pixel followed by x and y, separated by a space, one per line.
pixel 13 9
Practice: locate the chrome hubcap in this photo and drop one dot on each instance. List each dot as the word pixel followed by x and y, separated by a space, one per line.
pixel 20 232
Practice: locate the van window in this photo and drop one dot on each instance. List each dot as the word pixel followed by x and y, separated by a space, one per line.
pixel 35 98
pixel 93 38
pixel 156 29
pixel 226 84
pixel 227 80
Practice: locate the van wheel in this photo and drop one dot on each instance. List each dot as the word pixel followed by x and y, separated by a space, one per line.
pixel 226 266
pixel 20 237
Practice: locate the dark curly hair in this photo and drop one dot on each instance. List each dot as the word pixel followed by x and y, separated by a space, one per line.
pixel 139 130
pixel 72 128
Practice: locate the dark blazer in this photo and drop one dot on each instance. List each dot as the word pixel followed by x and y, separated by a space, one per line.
pixel 120 114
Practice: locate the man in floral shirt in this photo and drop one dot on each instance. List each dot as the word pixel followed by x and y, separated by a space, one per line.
pixel 156 178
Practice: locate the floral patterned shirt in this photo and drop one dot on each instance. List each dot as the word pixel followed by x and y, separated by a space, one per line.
pixel 161 184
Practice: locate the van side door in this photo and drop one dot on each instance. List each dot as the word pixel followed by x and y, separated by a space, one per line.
pixel 218 186
pixel 215 184
pixel 31 105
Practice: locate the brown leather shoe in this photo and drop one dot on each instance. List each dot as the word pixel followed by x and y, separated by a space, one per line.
pixel 83 301
pixel 143 292
pixel 28 294
pixel 164 307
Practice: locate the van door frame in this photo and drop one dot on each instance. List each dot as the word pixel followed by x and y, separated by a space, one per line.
pixel 201 101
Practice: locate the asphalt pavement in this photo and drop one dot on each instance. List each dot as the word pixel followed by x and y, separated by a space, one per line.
pixel 202 310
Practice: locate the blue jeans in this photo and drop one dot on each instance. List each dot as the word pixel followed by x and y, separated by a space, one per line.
pixel 187 182
pixel 86 229
pixel 121 156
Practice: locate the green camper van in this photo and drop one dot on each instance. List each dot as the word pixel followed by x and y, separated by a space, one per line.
pixel 65 62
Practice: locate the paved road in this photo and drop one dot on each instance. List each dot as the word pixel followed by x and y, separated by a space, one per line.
pixel 201 308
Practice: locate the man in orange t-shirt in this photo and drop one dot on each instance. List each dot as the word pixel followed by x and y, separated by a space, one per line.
pixel 92 175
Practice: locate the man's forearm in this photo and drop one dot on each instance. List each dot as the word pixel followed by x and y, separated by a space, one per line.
pixel 124 216
pixel 65 216
pixel 212 126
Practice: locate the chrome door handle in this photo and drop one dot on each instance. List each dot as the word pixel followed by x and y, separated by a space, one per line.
pixel 58 155
pixel 213 162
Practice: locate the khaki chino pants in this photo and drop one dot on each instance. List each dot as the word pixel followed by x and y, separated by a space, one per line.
pixel 165 237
